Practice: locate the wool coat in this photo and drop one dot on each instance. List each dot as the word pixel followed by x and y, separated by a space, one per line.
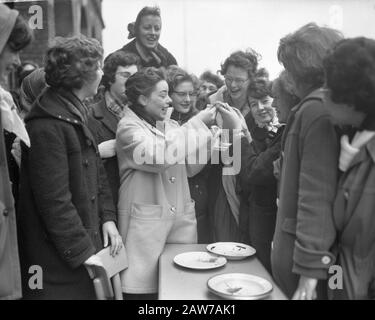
pixel 64 198
pixel 155 206
pixel 305 232
pixel 166 58
pixel 354 218
pixel 103 125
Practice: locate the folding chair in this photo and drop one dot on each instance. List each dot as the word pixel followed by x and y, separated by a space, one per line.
pixel 106 279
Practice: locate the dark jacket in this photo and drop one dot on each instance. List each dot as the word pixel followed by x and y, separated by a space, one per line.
pixel 354 219
pixel 165 56
pixel 224 224
pixel 305 232
pixel 258 193
pixel 10 276
pixel 103 125
pixel 64 199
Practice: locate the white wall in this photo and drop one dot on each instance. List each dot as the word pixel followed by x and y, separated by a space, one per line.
pixel 202 33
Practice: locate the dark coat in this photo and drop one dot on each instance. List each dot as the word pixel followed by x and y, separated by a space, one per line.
pixel 259 192
pixel 103 125
pixel 224 224
pixel 166 57
pixel 354 219
pixel 305 232
pixel 10 276
pixel 64 199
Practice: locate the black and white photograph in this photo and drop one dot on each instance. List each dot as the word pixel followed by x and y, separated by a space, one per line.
pixel 200 151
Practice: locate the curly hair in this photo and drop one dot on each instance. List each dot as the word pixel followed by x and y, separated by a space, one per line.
pixel 303 51
pixel 21 35
pixel 247 60
pixel 113 61
pixel 175 75
pixel 212 78
pixel 72 61
pixel 133 27
pixel 143 83
pixel 260 87
pixel 350 73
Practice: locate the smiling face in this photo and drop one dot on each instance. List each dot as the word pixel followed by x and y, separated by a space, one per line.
pixel 262 110
pixel 206 88
pixel 9 61
pixel 237 82
pixel 149 31
pixel 157 103
pixel 183 97
pixel 122 74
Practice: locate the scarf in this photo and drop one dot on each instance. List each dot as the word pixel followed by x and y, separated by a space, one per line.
pixel 10 119
pixel 181 118
pixel 114 106
pixel 147 54
pixel 350 149
pixel 141 113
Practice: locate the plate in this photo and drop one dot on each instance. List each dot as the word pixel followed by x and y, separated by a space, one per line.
pixel 231 250
pixel 199 260
pixel 239 286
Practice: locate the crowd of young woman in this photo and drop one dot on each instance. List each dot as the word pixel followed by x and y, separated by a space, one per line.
pixel 111 158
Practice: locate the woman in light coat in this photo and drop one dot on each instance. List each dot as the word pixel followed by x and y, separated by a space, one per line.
pixel 156 156
pixel 154 205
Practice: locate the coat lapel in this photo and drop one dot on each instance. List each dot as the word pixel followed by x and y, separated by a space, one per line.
pixel 102 114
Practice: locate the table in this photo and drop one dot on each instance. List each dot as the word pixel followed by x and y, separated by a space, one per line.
pixel 178 283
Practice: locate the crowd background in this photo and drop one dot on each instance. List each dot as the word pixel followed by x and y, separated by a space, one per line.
pixel 214 29
pixel 72 129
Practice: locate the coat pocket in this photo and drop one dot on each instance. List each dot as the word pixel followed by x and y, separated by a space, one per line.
pixel 289 225
pixel 146 211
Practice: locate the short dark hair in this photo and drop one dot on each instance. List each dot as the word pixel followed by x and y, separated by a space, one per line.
pixel 247 60
pixel 175 75
pixel 285 87
pixel 212 78
pixel 72 61
pixel 143 83
pixel 133 27
pixel 20 36
pixel 303 51
pixel 350 73
pixel 113 61
pixel 260 86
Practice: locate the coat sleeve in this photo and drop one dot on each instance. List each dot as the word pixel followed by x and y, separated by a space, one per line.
pixel 137 149
pixel 49 178
pixel 315 229
pixel 257 167
pixel 107 208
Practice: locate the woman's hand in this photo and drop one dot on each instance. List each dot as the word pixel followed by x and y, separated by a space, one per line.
pixel 16 151
pixel 306 289
pixel 229 116
pixel 110 231
pixel 207 116
pixel 107 149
